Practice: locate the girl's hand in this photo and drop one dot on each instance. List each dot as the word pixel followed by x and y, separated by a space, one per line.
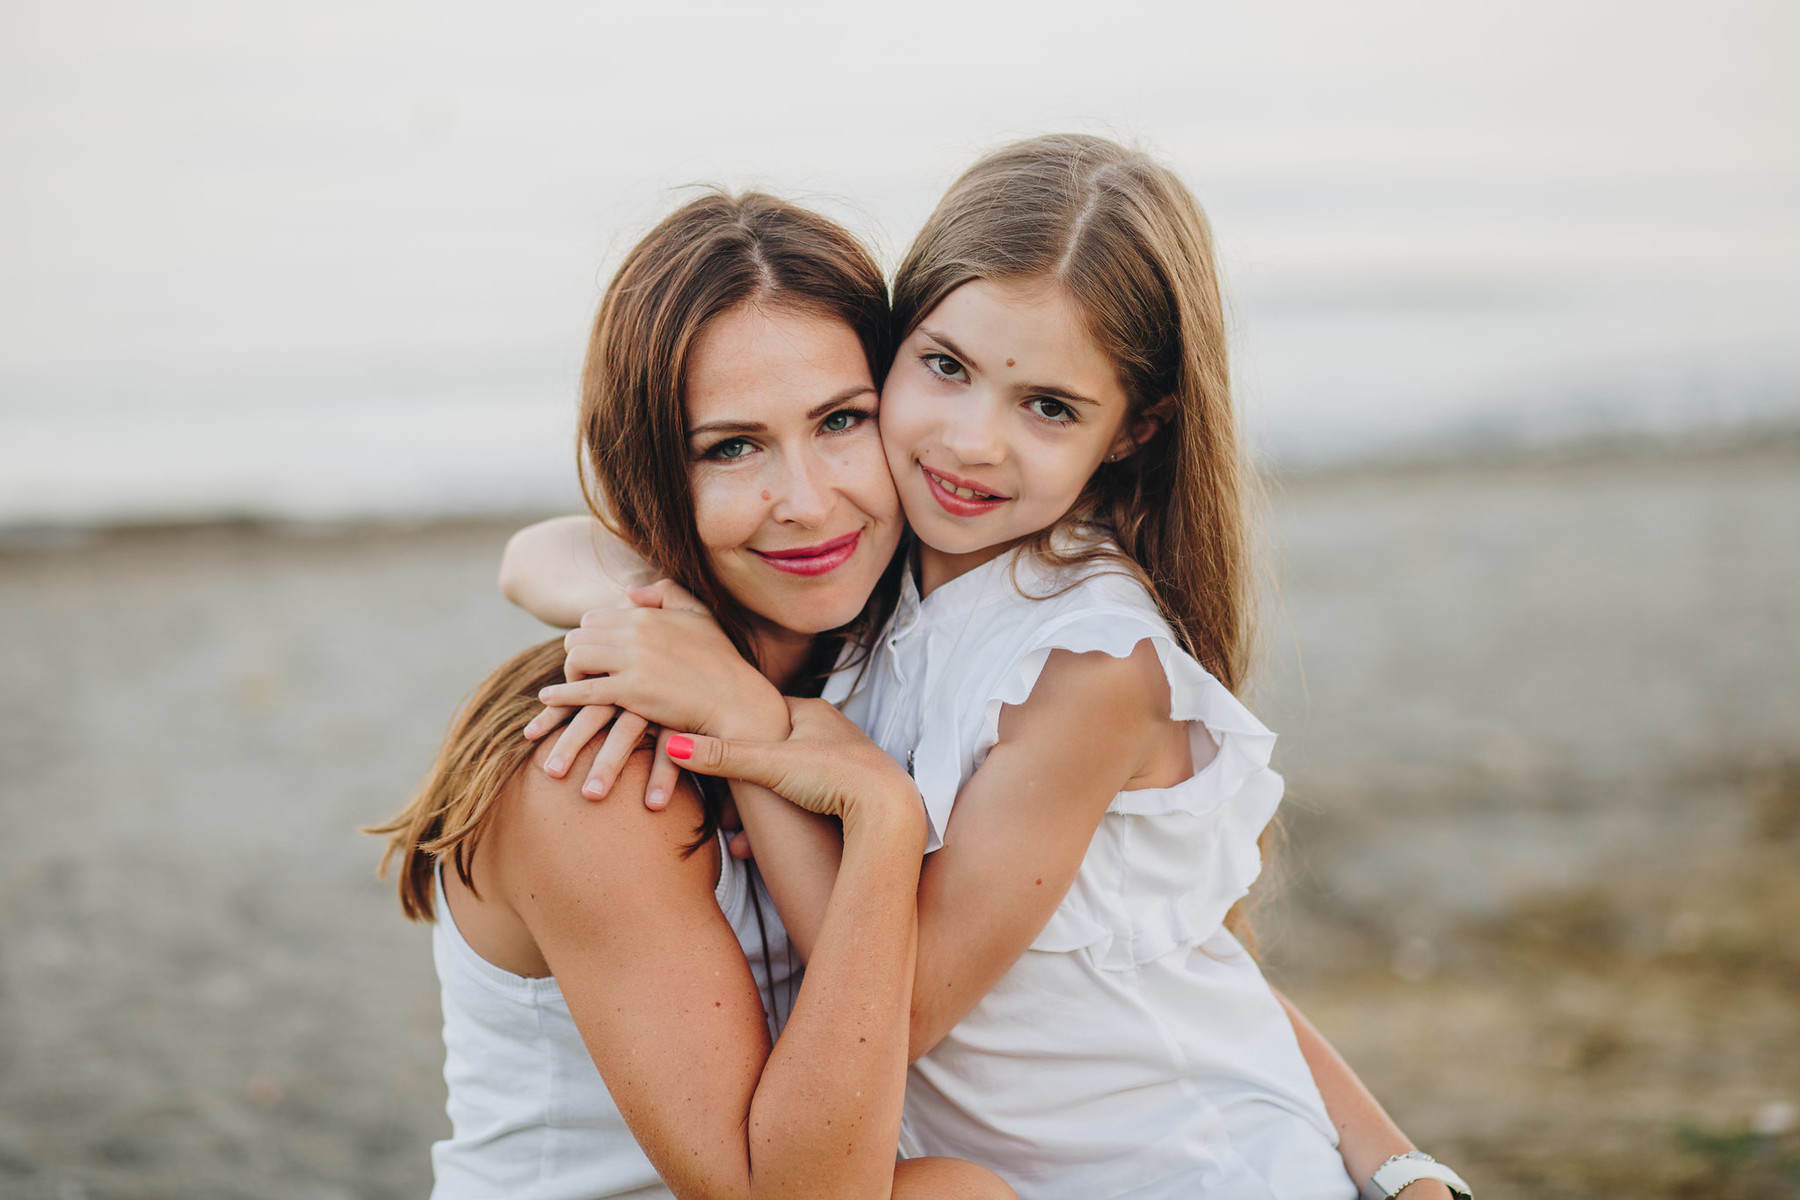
pixel 827 765
pixel 665 661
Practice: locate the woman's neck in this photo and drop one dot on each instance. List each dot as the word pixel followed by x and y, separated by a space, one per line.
pixel 781 654
pixel 937 567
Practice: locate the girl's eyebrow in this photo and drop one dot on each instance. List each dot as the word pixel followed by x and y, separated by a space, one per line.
pixel 812 414
pixel 1055 391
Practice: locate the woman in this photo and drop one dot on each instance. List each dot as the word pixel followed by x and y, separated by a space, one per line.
pixel 607 1031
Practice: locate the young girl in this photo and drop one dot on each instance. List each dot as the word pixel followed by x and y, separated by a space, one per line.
pixel 1057 679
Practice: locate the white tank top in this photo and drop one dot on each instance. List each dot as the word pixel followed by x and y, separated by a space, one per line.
pixel 530 1117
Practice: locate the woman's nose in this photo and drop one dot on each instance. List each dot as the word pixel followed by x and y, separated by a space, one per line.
pixel 805 497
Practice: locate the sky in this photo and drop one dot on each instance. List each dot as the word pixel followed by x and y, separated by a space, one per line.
pixel 338 260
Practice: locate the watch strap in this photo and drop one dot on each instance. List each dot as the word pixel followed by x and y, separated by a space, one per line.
pixel 1403 1169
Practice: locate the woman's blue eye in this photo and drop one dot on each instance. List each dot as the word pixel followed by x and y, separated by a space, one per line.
pixel 840 421
pixel 1051 410
pixel 729 449
pixel 944 366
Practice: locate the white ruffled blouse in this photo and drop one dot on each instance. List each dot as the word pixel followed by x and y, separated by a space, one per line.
pixel 1135 1048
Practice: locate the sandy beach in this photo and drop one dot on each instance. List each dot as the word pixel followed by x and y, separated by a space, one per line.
pixel 1540 721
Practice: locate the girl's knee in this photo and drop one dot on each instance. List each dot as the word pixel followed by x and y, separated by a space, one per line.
pixel 947 1179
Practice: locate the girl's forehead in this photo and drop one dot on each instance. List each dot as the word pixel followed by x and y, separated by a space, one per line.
pixel 1022 331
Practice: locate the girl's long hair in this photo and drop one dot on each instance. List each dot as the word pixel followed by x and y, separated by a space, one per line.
pixel 714 254
pixel 1127 241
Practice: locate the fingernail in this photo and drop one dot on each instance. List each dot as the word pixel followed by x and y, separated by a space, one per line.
pixel 593 790
pixel 554 766
pixel 653 798
pixel 681 746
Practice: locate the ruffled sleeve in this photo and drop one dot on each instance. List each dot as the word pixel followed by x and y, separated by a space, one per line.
pixel 1165 864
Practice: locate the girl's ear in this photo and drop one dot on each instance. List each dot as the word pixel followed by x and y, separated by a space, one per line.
pixel 1140 429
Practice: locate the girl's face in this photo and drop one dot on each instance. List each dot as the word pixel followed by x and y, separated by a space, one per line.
pixel 791 496
pixel 998 410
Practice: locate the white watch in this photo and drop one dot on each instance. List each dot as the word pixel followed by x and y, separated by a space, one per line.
pixel 1403 1169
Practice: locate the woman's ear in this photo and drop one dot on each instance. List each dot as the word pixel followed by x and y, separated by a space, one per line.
pixel 1140 429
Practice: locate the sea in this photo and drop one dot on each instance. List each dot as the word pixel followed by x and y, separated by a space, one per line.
pixel 337 261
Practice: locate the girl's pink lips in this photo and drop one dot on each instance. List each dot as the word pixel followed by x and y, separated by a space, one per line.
pixel 813 560
pixel 950 502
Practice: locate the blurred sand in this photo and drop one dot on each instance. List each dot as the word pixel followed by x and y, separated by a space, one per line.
pixel 1540 882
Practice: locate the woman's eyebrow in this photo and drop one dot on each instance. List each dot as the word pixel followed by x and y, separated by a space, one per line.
pixel 728 427
pixel 813 414
pixel 849 393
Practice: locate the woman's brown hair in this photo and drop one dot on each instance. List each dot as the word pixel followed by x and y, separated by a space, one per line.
pixel 1128 242
pixel 481 754
pixel 711 256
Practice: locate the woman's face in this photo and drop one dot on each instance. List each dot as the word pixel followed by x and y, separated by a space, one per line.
pixel 792 496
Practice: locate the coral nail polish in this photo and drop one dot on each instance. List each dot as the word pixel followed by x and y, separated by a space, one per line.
pixel 681 746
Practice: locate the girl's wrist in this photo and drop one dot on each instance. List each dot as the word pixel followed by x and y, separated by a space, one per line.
pixel 761 715
pixel 891 814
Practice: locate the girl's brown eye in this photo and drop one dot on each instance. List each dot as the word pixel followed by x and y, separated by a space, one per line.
pixel 943 366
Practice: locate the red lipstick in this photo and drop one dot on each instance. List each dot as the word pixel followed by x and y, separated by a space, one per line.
pixel 940 484
pixel 813 560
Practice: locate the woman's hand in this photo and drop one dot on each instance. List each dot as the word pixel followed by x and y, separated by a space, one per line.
pixel 827 765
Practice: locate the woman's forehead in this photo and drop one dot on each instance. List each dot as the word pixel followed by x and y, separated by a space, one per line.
pixel 763 364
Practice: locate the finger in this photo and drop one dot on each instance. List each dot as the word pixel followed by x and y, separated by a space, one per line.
pixel 664 775
pixel 581 731
pixel 597 690
pixel 552 716
pixel 621 740
pixel 755 762
pixel 665 593
pixel 740 845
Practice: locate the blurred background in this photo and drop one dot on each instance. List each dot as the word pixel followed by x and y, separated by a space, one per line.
pixel 292 305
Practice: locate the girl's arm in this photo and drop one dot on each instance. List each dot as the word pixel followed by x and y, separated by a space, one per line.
pixel 558 569
pixel 626 920
pixel 1367 1136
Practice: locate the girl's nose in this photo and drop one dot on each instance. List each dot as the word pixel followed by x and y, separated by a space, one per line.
pixel 973 434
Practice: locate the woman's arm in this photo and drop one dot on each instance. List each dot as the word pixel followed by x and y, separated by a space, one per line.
pixel 558 569
pixel 627 922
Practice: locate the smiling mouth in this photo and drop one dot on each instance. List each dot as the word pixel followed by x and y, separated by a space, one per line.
pixel 813 560
pixel 959 499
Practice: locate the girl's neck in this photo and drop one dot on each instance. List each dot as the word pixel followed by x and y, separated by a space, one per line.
pixel 936 567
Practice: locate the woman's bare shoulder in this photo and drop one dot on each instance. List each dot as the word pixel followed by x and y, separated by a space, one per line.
pixel 551 836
